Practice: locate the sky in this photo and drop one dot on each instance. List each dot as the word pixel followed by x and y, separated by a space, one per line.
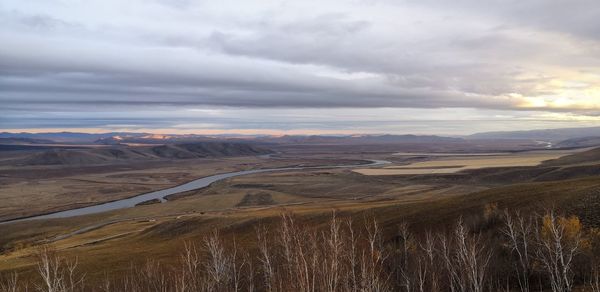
pixel 299 67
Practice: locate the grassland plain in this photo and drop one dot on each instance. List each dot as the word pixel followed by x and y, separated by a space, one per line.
pixel 31 190
pixel 112 247
pixel 110 242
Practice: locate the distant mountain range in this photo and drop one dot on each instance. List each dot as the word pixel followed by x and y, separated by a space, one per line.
pixel 357 139
pixel 550 135
pixel 566 137
pixel 68 137
pixel 117 138
pixel 157 139
pixel 23 141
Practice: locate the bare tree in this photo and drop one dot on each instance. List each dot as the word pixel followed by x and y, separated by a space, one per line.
pixel 57 274
pixel 452 271
pixel 404 270
pixel 593 283
pixel 106 285
pixel 217 264
pixel 352 258
pixel 149 276
pixel 265 258
pixel 473 256
pixel 518 231
pixel 558 241
pixel 422 272
pixel 11 283
pixel 340 256
pixel 430 254
pixel 250 273
pixel 373 259
pixel 237 267
pixel 187 277
pixel 332 266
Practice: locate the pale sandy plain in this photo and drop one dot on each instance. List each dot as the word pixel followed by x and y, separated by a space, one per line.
pixel 444 163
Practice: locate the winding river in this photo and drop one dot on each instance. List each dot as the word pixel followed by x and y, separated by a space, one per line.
pixel 161 194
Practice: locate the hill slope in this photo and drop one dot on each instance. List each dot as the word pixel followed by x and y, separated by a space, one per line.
pixel 586 157
pixel 130 153
pixel 579 142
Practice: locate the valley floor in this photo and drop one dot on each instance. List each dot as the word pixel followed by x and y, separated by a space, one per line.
pixel 109 242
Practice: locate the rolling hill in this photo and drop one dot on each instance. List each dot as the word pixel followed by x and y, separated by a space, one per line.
pixel 579 142
pixel 116 154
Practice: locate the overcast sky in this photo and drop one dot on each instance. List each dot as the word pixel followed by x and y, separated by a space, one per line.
pixel 412 66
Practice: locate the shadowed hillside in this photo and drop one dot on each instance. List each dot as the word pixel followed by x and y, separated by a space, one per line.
pixel 88 156
pixel 587 157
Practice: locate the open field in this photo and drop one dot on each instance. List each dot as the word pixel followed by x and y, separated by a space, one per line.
pixel 163 235
pixel 291 188
pixel 26 191
pixel 444 163
pixel 239 204
pixel 317 189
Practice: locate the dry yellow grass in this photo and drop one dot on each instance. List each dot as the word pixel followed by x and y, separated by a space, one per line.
pixel 452 164
pixel 160 230
pixel 24 196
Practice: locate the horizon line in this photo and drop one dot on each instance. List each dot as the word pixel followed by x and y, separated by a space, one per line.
pixel 245 132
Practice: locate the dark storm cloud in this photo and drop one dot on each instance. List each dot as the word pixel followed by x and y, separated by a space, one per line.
pixel 146 78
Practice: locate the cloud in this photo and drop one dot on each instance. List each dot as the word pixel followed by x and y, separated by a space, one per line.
pixel 70 57
pixel 577 18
